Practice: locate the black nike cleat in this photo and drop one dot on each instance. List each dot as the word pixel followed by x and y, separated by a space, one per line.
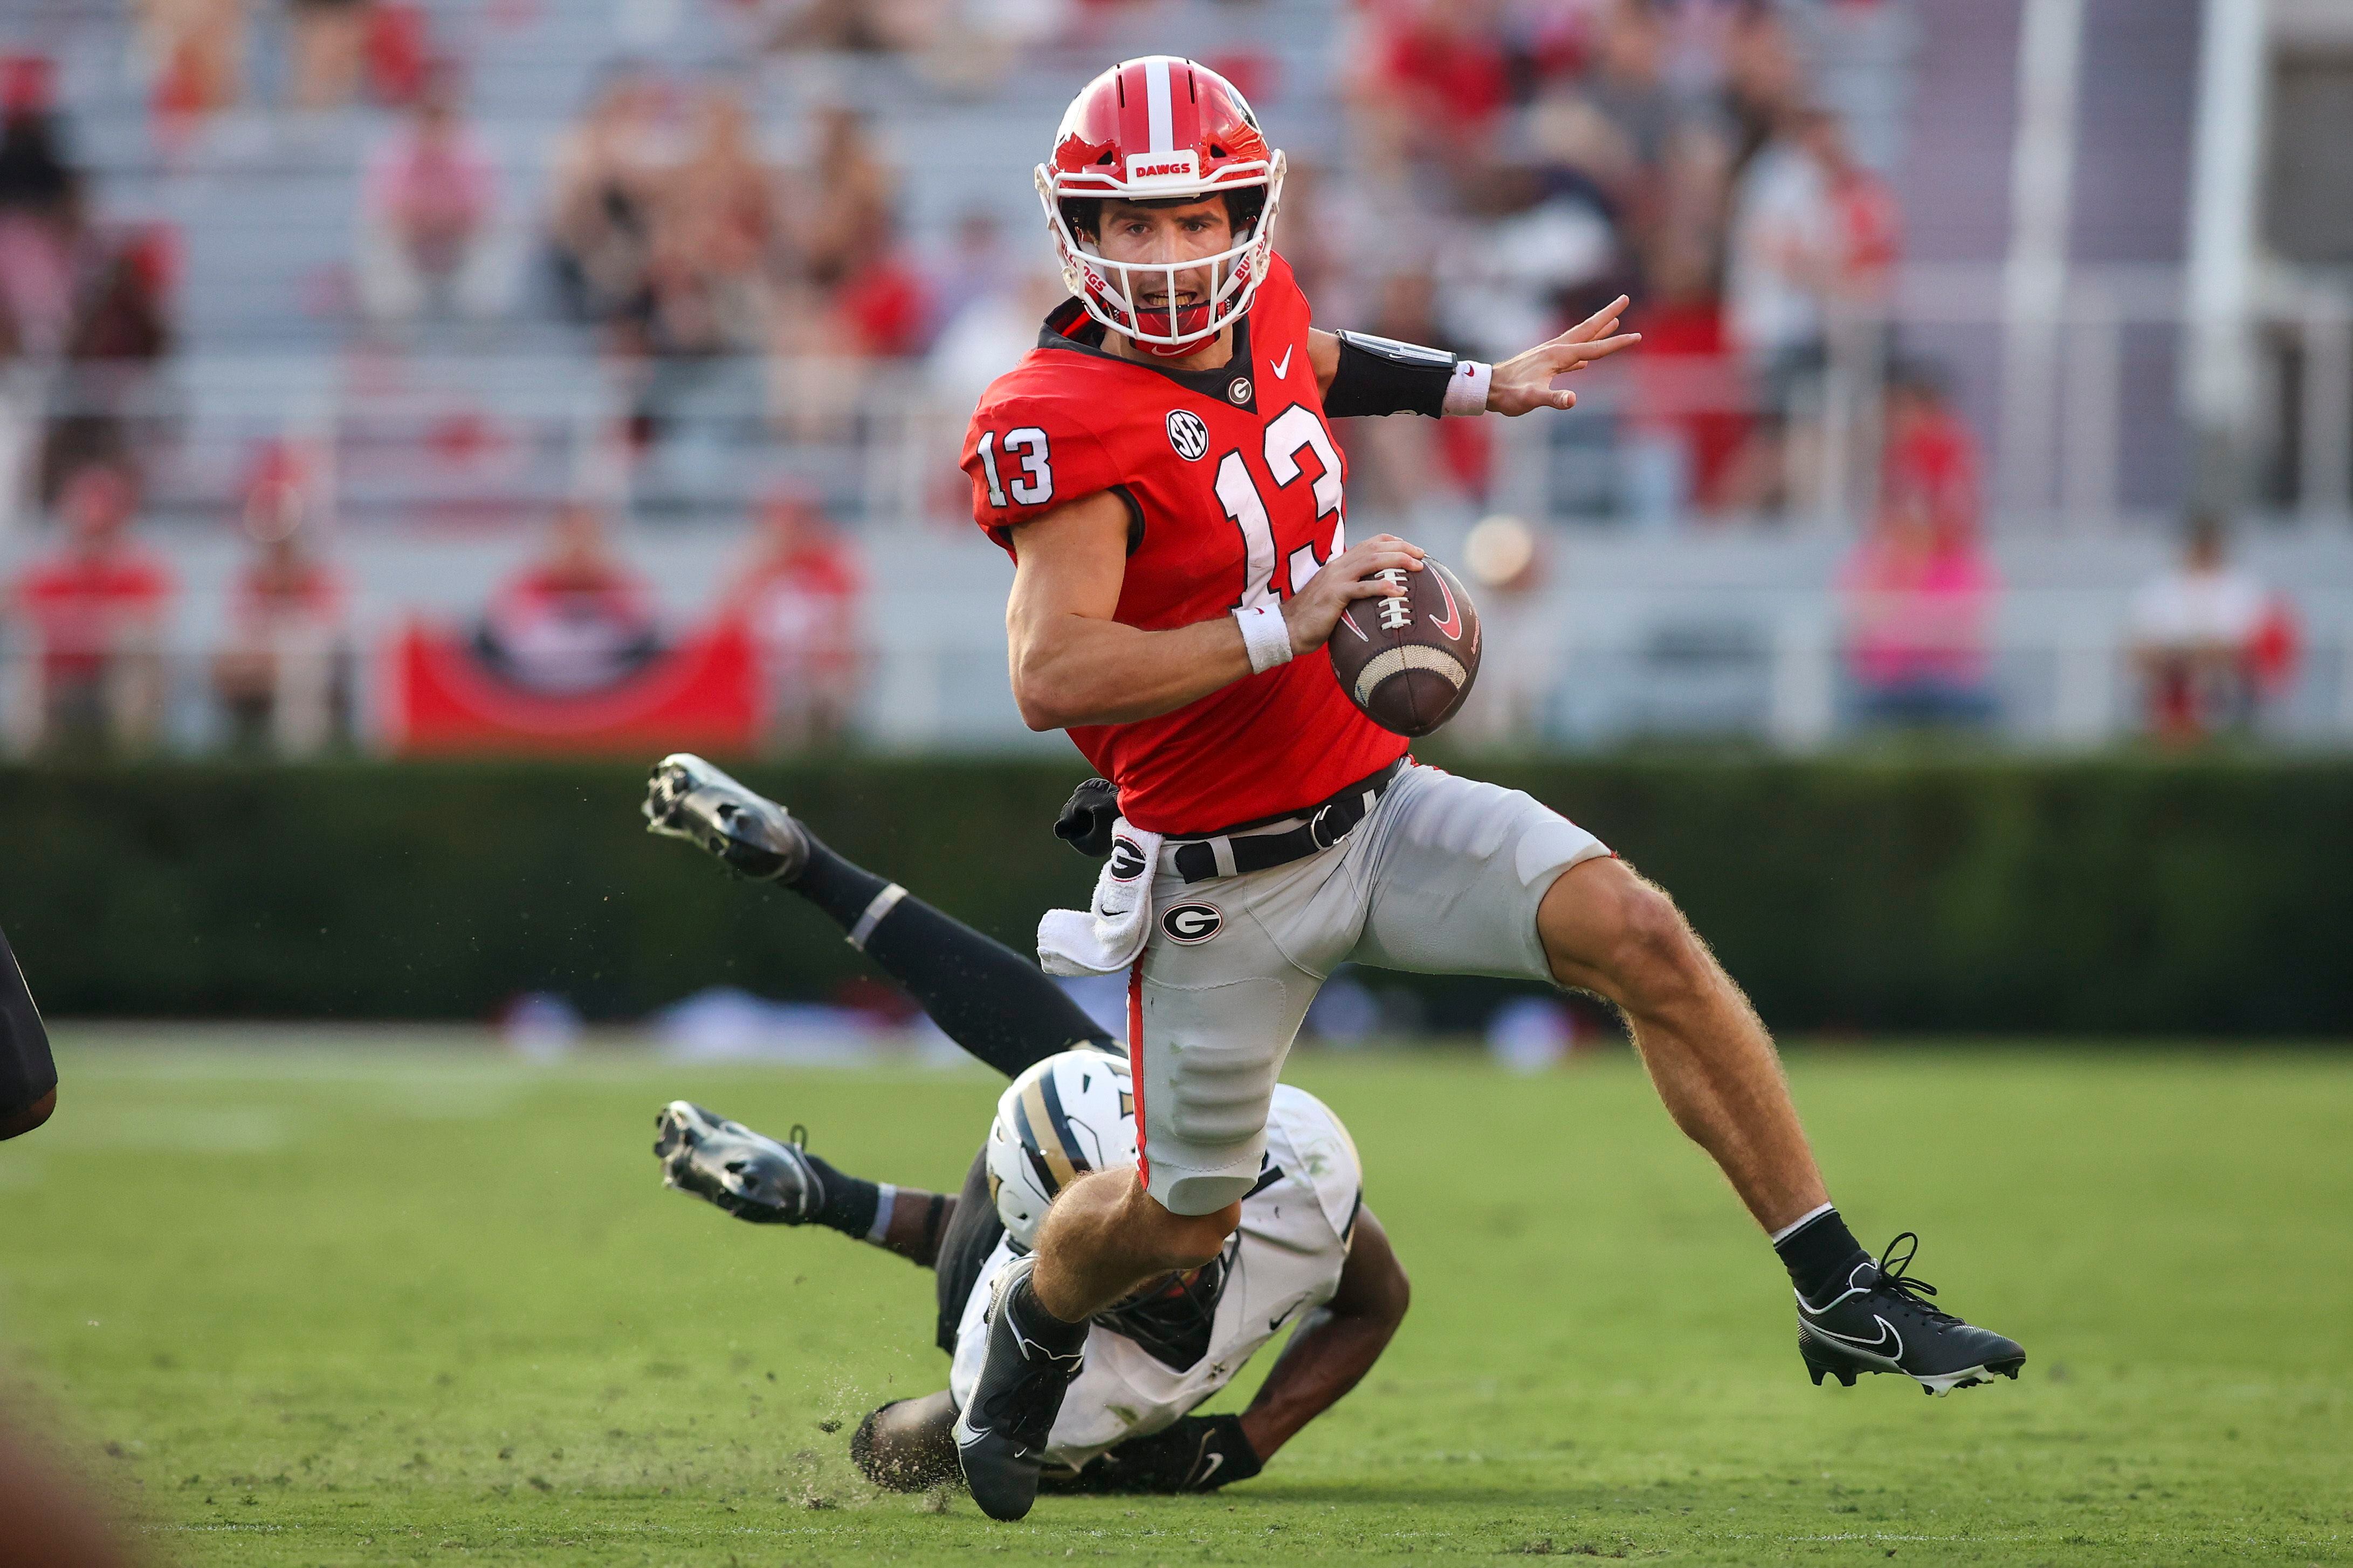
pixel 749 1174
pixel 1001 1436
pixel 687 798
pixel 1881 1323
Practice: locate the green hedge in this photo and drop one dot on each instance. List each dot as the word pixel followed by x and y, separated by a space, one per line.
pixel 2213 897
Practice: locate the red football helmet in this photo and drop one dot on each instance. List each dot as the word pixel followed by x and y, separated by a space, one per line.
pixel 1152 129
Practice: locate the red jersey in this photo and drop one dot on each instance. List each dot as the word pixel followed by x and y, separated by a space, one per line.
pixel 88 607
pixel 1233 486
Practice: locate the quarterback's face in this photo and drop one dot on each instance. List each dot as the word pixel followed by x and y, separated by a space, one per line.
pixel 1164 235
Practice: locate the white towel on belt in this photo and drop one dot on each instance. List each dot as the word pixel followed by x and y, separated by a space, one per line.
pixel 1105 939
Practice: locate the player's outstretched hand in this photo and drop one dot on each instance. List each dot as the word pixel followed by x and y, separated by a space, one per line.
pixel 1524 380
pixel 1346 578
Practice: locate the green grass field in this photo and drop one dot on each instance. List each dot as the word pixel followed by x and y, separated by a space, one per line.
pixel 363 1300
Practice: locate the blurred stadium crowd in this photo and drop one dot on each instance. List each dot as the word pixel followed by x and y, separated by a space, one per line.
pixel 442 375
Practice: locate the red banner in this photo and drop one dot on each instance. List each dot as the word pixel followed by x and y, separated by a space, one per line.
pixel 440 699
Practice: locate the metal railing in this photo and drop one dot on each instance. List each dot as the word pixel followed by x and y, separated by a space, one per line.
pixel 1580 669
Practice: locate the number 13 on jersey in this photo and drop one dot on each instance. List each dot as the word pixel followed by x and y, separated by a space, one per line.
pixel 1016 468
pixel 1294 430
pixel 1028 444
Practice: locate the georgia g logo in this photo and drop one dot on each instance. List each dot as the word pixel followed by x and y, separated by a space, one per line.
pixel 1189 433
pixel 1191 923
pixel 1127 861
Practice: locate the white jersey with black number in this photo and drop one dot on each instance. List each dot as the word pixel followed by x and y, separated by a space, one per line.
pixel 1291 1245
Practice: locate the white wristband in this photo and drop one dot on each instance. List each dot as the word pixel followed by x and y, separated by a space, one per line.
pixel 1466 393
pixel 1266 635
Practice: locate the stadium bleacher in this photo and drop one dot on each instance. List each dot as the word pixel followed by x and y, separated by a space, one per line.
pixel 451 440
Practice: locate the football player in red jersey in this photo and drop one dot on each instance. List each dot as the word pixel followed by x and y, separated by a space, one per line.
pixel 1161 472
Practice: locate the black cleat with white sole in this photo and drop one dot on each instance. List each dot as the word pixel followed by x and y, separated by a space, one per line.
pixel 1881 1321
pixel 687 798
pixel 1001 1436
pixel 748 1174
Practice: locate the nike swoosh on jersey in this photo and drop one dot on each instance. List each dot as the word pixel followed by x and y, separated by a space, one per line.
pixel 1887 1335
pixel 1281 367
pixel 1452 626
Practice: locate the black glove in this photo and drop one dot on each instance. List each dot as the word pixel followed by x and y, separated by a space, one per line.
pixel 1198 1454
pixel 1085 823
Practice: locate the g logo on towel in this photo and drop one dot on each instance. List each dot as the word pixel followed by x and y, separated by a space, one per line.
pixel 1191 923
pixel 1127 861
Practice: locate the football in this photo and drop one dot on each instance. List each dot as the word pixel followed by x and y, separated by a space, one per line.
pixel 1407 659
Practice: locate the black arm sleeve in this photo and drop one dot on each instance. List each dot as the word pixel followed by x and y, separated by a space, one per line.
pixel 1381 375
pixel 974 1231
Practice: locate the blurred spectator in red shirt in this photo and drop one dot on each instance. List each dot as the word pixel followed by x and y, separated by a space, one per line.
pixel 121 310
pixel 399 52
pixel 1929 462
pixel 858 295
pixel 430 236
pixel 121 325
pixel 2211 640
pixel 577 618
pixel 1438 82
pixel 1918 598
pixel 799 594
pixel 1687 381
pixel 96 609
pixel 882 305
pixel 283 675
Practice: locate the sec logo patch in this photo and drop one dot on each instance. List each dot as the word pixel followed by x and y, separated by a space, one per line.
pixel 1191 923
pixel 1189 433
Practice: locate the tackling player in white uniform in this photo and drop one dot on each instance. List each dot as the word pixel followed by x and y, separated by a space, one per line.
pixel 1287 1258
pixel 1306 1256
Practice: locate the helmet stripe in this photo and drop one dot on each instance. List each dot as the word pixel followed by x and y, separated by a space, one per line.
pixel 1043 1136
pixel 1061 1124
pixel 1030 1150
pixel 1157 114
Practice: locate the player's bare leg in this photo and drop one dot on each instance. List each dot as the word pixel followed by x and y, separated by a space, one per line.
pixel 1105 1235
pixel 1608 930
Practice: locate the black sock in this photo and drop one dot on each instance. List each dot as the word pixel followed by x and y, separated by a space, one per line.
pixel 986 997
pixel 1820 1254
pixel 1031 1316
pixel 850 1202
pixel 841 890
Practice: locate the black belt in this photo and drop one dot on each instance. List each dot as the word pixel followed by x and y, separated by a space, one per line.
pixel 1328 822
